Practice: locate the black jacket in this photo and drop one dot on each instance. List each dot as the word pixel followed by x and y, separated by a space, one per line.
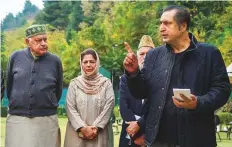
pixel 202 71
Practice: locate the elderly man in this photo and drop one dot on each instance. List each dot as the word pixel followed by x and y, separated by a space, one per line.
pixel 181 63
pixel 34 87
pixel 130 108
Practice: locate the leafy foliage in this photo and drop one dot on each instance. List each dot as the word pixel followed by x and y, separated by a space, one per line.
pixel 55 13
pixel 225 117
pixel 3 48
pixel 104 26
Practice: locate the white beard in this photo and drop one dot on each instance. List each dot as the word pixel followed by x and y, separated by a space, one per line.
pixel 141 65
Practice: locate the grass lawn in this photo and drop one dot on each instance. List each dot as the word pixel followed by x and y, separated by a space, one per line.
pixel 63 121
pixel 62 124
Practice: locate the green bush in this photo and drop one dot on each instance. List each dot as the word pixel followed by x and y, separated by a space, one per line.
pixel 116 111
pixel 61 112
pixel 225 117
pixel 3 111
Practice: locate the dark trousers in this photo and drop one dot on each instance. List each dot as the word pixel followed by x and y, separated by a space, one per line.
pixel 161 144
pixel 127 143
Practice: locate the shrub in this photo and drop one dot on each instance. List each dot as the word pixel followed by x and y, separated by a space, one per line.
pixel 225 117
pixel 4 112
pixel 61 111
pixel 116 111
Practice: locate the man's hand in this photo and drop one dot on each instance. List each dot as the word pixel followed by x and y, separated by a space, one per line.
pixel 89 132
pixel 133 128
pixel 140 140
pixel 130 62
pixel 187 103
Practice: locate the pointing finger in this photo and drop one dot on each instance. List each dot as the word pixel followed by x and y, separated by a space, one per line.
pixel 128 48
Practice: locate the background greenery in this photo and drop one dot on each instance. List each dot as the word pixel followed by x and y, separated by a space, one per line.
pixel 76 25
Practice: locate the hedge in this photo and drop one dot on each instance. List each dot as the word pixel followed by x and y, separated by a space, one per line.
pixel 225 117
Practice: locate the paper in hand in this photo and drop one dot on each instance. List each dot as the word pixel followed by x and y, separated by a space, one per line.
pixel 185 92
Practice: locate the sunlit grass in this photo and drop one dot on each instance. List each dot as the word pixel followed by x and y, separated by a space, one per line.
pixel 63 121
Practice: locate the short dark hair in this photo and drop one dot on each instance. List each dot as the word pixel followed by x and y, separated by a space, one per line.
pixel 182 15
pixel 89 51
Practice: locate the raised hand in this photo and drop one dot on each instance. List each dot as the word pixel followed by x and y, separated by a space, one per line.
pixel 130 62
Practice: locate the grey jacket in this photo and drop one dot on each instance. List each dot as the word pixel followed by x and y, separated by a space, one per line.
pixel 34 87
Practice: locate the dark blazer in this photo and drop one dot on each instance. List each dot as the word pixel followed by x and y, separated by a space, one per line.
pixel 203 71
pixel 129 107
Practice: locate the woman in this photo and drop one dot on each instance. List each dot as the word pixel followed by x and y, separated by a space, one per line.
pixel 89 105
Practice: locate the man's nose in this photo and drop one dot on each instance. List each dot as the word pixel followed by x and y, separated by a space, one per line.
pixel 43 42
pixel 144 56
pixel 162 28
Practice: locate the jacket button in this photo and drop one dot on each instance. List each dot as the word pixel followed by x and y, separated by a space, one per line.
pixel 32 82
pixel 159 107
pixel 31 95
pixel 33 70
pixel 162 88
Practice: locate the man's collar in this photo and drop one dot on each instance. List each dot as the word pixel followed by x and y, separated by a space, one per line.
pixel 193 43
pixel 29 53
pixel 34 56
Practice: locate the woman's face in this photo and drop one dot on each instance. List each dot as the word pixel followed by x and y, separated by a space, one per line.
pixel 88 63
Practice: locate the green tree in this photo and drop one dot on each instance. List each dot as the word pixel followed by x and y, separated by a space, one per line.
pixel 76 17
pixel 29 9
pixel 3 56
pixel 29 12
pixel 8 22
pixel 90 10
pixel 104 26
pixel 223 34
pixel 20 20
pixel 55 13
pixel 204 16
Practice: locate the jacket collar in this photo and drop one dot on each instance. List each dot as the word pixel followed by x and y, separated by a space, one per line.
pixel 193 43
pixel 29 54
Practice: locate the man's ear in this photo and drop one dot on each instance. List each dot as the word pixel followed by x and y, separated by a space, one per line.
pixel 183 27
pixel 27 41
